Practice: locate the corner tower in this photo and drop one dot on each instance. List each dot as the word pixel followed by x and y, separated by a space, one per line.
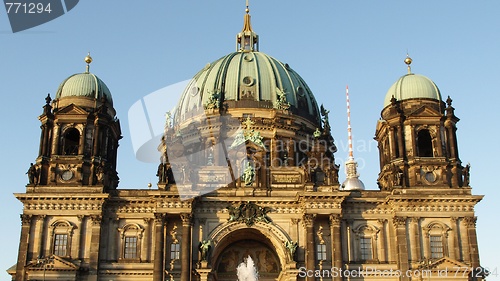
pixel 417 136
pixel 79 138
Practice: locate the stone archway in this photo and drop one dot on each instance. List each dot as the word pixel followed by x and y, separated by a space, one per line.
pixel 265 259
pixel 263 242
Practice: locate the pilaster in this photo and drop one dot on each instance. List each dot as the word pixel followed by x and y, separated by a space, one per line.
pixel 336 243
pixel 401 242
pixel 159 247
pixel 186 247
pixel 308 222
pixel 23 246
pixel 95 237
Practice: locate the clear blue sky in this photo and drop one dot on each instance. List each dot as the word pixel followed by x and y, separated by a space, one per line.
pixel 141 46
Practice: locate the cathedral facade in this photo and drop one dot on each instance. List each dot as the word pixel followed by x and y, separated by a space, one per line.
pixel 247 171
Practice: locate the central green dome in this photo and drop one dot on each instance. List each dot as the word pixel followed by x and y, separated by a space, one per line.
pixel 247 80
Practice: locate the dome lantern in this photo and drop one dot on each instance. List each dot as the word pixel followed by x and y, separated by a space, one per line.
pixel 247 40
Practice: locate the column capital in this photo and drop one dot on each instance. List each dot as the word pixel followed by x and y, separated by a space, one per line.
pixel 469 221
pixel 96 220
pixel 159 218
pixel 335 219
pixel 308 219
pixel 41 217
pixel 25 219
pixel 186 218
pixel 381 221
pixel 399 221
pixel 295 221
pixel 414 219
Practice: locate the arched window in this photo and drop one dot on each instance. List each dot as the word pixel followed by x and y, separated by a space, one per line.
pixel 366 235
pixel 131 236
pixel 71 140
pixel 437 234
pixel 424 143
pixel 61 238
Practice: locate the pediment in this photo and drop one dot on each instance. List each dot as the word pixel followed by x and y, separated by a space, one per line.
pixel 255 146
pixel 447 262
pixel 424 111
pixel 55 262
pixel 72 109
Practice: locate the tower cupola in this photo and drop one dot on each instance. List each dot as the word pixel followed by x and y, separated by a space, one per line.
pixel 80 136
pixel 417 136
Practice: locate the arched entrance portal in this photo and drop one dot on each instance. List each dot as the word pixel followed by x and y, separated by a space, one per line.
pixel 243 243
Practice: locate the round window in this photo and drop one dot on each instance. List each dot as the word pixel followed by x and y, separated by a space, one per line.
pixel 67 175
pixel 248 80
pixel 194 91
pixel 430 177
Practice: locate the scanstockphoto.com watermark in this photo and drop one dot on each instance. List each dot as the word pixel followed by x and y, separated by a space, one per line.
pixel 25 14
pixel 448 272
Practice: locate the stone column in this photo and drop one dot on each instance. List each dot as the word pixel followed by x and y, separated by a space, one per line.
pixel 401 141
pixel 454 244
pixel 391 244
pixel 439 142
pixel 470 223
pixel 43 141
pixel 382 239
pixel 274 152
pixel 308 221
pixel 294 233
pixel 186 247
pixel 40 239
pixel 451 140
pixel 96 138
pixel 392 143
pixel 81 242
pixel 464 237
pixel 413 142
pixel 402 248
pixel 95 237
pixel 146 246
pixel 23 246
pixel 55 139
pixel 414 241
pixel 81 145
pixel 336 243
pixel 343 238
pixel 159 245
pixel 291 153
pixel 111 238
pixel 350 252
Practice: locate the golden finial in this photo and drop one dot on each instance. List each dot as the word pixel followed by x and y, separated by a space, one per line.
pixel 88 60
pixel 247 40
pixel 408 61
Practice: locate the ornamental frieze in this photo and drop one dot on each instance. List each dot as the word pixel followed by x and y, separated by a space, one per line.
pixel 249 213
pixel 63 206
